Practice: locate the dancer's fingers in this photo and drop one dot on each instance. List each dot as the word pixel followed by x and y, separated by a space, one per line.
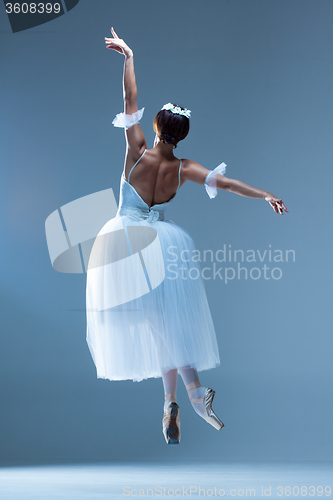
pixel 280 207
pixel 115 41
pixel 114 33
pixel 113 47
pixel 273 205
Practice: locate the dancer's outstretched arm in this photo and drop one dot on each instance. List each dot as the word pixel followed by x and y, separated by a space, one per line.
pixel 195 172
pixel 136 142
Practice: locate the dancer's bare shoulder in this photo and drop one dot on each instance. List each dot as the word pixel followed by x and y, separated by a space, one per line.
pixel 193 171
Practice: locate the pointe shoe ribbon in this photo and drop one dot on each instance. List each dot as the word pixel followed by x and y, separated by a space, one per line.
pixel 171 395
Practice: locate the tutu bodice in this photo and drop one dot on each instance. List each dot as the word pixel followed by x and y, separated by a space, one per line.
pixel 132 205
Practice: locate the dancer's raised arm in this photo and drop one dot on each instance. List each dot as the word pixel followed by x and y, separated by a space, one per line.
pixel 136 142
pixel 195 172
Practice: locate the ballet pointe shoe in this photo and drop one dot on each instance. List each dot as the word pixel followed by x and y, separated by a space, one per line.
pixel 171 422
pixel 206 411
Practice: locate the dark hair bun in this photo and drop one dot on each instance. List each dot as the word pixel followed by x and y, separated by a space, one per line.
pixel 168 139
pixel 171 127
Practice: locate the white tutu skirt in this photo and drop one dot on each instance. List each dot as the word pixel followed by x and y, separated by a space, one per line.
pixel 147 310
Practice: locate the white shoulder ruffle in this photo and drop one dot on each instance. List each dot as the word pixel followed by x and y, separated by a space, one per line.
pixel 127 121
pixel 210 181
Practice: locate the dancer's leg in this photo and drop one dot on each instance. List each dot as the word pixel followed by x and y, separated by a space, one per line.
pixel 171 420
pixel 170 386
pixel 194 388
pixel 170 377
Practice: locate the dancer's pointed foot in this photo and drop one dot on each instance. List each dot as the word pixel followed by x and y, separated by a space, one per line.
pixel 201 399
pixel 171 423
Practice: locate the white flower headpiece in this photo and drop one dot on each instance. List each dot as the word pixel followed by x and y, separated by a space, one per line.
pixel 177 110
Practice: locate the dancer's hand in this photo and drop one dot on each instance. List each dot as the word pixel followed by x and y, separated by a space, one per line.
pixel 118 44
pixel 276 203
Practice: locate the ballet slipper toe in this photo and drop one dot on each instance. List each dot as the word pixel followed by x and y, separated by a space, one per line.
pixel 171 424
pixel 210 415
pixel 203 405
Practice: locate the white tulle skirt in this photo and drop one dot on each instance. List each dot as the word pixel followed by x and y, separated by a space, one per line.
pixel 147 310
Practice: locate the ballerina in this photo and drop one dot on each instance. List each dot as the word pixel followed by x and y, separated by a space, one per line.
pixel 165 327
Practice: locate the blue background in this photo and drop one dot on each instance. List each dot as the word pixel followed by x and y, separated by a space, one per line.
pixel 258 77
